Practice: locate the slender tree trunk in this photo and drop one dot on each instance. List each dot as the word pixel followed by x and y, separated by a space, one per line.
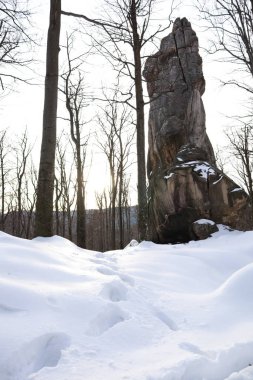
pixel 120 208
pixel 45 187
pixel 14 211
pixel 113 214
pixel 57 198
pixel 69 223
pixel 63 220
pixel 107 222
pixel 3 195
pixel 19 200
pixel 140 129
pixel 128 221
pixel 29 217
pixel 121 224
pixel 80 226
pixel 140 133
pixel 102 223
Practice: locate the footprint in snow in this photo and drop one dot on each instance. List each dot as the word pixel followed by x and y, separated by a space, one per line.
pixel 110 316
pixel 53 302
pixel 106 271
pixel 192 348
pixel 100 255
pixel 166 320
pixel 110 272
pixel 104 262
pixel 124 277
pixel 44 351
pixel 10 309
pixel 114 291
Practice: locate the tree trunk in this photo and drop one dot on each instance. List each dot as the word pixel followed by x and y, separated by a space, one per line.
pixel 45 187
pixel 69 212
pixel 120 206
pixel 113 214
pixel 3 195
pixel 57 198
pixel 140 129
pixel 80 221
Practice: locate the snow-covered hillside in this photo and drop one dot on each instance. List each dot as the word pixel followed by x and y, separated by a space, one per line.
pixel 148 312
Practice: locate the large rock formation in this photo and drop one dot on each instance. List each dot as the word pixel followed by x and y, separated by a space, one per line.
pixel 184 182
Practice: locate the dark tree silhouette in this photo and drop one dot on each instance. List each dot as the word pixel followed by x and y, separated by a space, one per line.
pixel 45 187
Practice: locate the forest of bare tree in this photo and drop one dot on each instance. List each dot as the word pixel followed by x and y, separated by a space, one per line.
pixel 50 198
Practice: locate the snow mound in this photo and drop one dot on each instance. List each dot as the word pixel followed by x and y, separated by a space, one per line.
pixel 147 312
pixel 226 365
pixel 44 351
pixel 239 286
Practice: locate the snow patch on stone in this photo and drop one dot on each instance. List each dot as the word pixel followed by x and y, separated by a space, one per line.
pixel 205 221
pixel 236 189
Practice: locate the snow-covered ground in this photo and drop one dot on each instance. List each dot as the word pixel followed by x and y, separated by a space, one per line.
pixel 148 312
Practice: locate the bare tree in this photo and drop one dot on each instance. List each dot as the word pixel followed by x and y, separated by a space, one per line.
pixel 232 24
pixel 108 145
pixel 124 144
pixel 4 173
pixel 241 147
pixel 45 187
pixel 18 180
pixel 14 39
pixel 65 191
pixel 103 221
pixel 127 24
pixel 75 101
pixel 22 151
pixel 221 158
pixel 58 187
pixel 127 227
pixel 116 142
pixel 60 180
pixel 30 184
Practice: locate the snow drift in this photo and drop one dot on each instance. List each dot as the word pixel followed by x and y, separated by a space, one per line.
pixel 148 312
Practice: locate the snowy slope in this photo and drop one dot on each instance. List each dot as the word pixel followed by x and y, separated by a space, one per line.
pixel 149 312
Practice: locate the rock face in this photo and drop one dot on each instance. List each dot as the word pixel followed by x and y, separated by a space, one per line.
pixel 184 182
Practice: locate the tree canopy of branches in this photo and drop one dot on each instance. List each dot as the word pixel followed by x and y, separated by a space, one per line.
pixel 232 23
pixel 4 174
pixel 126 25
pixel 14 38
pixel 241 147
pixel 17 184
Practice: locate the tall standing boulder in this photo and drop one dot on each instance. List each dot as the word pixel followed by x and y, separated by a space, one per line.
pixel 184 182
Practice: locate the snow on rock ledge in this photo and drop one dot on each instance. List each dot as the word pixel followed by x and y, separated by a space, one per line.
pixel 204 228
pixel 190 190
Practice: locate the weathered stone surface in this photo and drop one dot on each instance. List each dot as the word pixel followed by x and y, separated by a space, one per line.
pixel 175 84
pixel 189 190
pixel 184 182
pixel 203 228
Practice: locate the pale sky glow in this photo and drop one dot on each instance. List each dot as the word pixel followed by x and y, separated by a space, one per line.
pixel 24 107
